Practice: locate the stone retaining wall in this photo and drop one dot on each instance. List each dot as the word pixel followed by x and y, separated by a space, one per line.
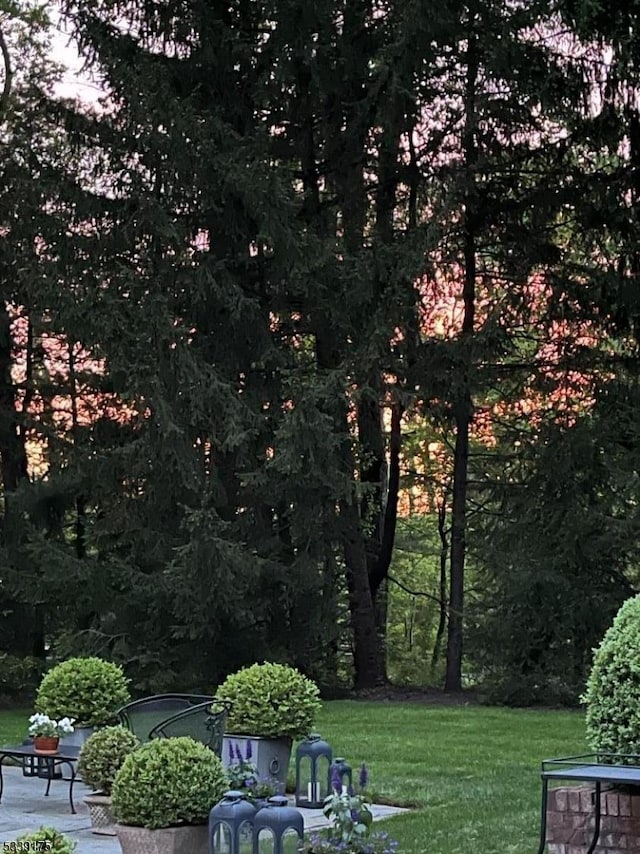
pixel 570 821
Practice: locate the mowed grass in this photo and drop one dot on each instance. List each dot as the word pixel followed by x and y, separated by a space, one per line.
pixel 470 773
pixel 14 726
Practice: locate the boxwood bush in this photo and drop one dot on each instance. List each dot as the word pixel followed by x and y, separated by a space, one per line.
pixel 270 700
pixel 89 690
pixel 102 755
pixel 46 839
pixel 612 696
pixel 168 782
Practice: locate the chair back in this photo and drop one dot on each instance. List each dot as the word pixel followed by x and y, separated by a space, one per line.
pixel 204 723
pixel 142 716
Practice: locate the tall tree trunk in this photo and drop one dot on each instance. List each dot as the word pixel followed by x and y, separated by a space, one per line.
pixel 463 406
pixel 80 524
pixel 369 664
pixel 12 450
pixel 442 619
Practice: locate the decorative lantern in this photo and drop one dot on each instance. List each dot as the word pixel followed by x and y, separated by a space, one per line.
pixel 231 825
pixel 277 828
pixel 313 761
pixel 340 770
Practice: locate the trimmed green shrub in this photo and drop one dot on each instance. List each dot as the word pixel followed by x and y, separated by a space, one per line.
pixel 46 839
pixel 612 697
pixel 89 690
pixel 102 755
pixel 168 782
pixel 270 700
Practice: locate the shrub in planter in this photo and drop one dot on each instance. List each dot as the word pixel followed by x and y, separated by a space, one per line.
pixel 168 782
pixel 612 696
pixel 270 700
pixel 103 754
pixel 46 839
pixel 89 690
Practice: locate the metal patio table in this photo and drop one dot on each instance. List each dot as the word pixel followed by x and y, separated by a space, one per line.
pixel 33 764
pixel 613 769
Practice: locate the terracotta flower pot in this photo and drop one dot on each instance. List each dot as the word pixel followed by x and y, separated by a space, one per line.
pixel 46 744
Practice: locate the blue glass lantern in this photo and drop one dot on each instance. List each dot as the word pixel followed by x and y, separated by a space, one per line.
pixel 277 828
pixel 313 761
pixel 340 773
pixel 231 825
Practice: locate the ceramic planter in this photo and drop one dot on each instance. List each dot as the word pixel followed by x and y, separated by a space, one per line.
pixel 102 820
pixel 270 756
pixel 190 839
pixel 79 735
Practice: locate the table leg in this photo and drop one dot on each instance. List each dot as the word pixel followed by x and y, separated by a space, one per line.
pixel 49 765
pixel 2 758
pixel 543 817
pixel 596 830
pixel 73 779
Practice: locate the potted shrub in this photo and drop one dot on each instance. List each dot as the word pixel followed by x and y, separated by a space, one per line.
pixel 162 796
pixel 100 759
pixel 88 690
pixel 46 839
pixel 270 705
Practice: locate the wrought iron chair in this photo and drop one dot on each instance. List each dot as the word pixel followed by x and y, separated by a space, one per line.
pixel 204 723
pixel 142 716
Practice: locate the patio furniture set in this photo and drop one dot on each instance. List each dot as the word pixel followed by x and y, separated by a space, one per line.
pixel 159 716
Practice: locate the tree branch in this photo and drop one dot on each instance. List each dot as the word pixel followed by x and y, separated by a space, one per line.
pixel 8 73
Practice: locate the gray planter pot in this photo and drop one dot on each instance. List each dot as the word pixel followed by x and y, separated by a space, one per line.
pixel 270 756
pixel 191 839
pixel 102 820
pixel 78 737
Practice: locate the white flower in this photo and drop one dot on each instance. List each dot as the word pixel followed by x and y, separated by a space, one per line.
pixel 65 725
pixel 44 725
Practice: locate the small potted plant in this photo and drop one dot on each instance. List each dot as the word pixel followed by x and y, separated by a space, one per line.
pixel 162 796
pixel 89 690
pixel 100 759
pixel 45 839
pixel 351 821
pixel 243 776
pixel 270 705
pixel 47 732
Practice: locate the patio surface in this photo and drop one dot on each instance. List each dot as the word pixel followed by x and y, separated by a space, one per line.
pixel 25 808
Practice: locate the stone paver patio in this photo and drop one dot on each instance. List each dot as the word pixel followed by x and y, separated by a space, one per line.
pixel 24 808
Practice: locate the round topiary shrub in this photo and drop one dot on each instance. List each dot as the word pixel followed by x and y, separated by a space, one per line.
pixel 612 697
pixel 168 782
pixel 270 700
pixel 88 690
pixel 46 839
pixel 102 755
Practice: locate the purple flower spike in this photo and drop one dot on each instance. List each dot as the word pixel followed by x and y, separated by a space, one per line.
pixel 364 776
pixel 232 755
pixel 336 779
pixel 248 752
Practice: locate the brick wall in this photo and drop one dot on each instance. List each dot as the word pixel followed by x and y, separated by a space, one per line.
pixel 570 821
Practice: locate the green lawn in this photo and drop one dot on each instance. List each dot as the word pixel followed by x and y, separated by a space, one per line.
pixel 14 726
pixel 472 772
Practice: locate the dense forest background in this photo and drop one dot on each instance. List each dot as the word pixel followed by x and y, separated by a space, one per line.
pixel 319 340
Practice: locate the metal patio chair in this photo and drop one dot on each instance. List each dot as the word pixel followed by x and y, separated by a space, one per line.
pixel 144 715
pixel 204 723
